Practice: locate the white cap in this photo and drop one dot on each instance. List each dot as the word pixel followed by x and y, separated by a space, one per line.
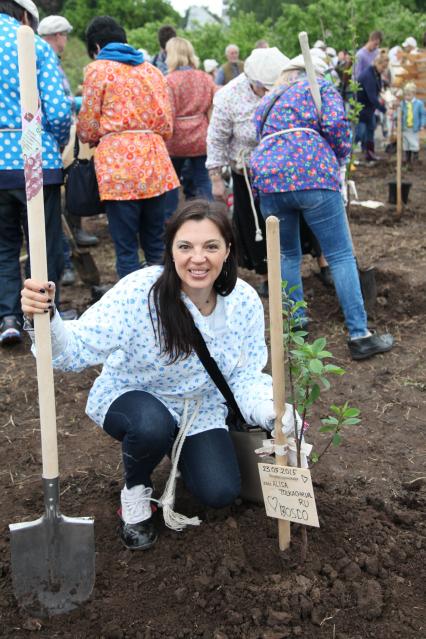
pixel 29 6
pixel 53 24
pixel 210 65
pixel 265 65
pixel 331 52
pixel 298 64
pixel 319 44
pixel 410 42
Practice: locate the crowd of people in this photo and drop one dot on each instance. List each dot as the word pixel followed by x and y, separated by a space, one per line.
pixel 162 130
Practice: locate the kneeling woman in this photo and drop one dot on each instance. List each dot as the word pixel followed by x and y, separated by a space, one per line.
pixel 153 393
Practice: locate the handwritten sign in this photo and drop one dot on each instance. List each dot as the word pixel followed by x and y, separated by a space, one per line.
pixel 288 494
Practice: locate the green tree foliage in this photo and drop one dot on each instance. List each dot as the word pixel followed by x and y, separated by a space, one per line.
pixel 130 14
pixel 335 21
pixel 74 59
pixel 262 9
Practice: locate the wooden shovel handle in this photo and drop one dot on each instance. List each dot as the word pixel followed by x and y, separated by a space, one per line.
pixel 399 162
pixel 277 350
pixel 310 71
pixel 37 242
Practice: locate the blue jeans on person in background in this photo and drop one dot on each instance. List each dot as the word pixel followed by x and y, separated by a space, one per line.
pixel 147 431
pixel 365 131
pixel 68 265
pixel 13 229
pixel 133 223
pixel 325 215
pixel 200 181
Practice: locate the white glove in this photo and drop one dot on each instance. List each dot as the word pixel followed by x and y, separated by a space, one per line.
pixel 265 415
pixel 305 451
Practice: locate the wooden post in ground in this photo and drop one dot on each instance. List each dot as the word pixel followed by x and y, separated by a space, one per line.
pixel 277 352
pixel 399 164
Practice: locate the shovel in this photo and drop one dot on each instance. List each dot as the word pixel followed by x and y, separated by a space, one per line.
pixel 82 260
pixel 367 276
pixel 52 558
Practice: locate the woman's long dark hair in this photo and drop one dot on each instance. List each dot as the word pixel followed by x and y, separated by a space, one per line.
pixel 174 327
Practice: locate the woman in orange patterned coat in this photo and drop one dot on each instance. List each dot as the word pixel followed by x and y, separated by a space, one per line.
pixel 126 114
pixel 191 94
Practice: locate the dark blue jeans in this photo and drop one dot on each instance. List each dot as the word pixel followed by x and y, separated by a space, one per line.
pixel 325 215
pixel 133 223
pixel 200 181
pixel 365 130
pixel 147 431
pixel 13 230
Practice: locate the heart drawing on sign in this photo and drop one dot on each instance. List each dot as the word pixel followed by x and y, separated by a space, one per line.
pixel 273 502
pixel 305 479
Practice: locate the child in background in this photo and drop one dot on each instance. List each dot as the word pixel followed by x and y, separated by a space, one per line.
pixel 413 114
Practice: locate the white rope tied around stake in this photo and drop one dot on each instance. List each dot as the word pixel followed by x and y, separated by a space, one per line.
pixel 172 519
pixel 242 157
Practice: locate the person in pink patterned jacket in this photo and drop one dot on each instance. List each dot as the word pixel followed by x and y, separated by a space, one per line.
pixel 191 93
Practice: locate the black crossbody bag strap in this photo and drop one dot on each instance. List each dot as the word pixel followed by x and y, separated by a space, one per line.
pixel 215 373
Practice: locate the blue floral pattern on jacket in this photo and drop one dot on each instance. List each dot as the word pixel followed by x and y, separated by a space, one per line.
pixel 300 160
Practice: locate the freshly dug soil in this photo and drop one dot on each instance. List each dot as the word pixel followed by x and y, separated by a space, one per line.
pixel 365 571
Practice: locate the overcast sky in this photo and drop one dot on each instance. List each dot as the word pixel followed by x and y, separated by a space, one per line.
pixel 182 5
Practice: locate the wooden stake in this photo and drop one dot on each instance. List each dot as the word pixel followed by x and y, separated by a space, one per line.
pixel 398 163
pixel 277 351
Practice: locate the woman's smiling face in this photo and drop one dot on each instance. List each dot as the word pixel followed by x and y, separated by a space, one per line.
pixel 199 251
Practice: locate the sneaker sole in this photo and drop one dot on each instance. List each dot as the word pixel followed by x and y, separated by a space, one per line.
pixel 143 547
pixel 358 357
pixel 10 336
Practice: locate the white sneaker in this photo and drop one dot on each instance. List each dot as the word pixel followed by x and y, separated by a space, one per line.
pixel 136 504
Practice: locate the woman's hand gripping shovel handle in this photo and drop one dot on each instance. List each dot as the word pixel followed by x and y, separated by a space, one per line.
pixel 277 352
pixel 53 557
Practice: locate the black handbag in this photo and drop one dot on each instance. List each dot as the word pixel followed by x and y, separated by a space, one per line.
pixel 245 438
pixel 81 187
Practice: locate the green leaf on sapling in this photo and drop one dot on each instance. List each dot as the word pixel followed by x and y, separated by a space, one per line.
pixel 336 439
pixel 351 421
pixel 298 340
pixel 316 366
pixel 314 457
pixel 327 429
pixel 351 412
pixel 319 344
pixel 323 354
pixel 335 370
pixel 330 420
pixel 324 381
pixel 313 395
pixel 336 409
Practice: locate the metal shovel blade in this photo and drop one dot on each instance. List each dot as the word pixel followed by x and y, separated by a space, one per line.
pixel 86 267
pixel 53 560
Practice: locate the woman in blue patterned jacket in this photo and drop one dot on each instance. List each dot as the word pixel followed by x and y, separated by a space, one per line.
pixel 296 169
pixel 153 389
pixel 55 113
